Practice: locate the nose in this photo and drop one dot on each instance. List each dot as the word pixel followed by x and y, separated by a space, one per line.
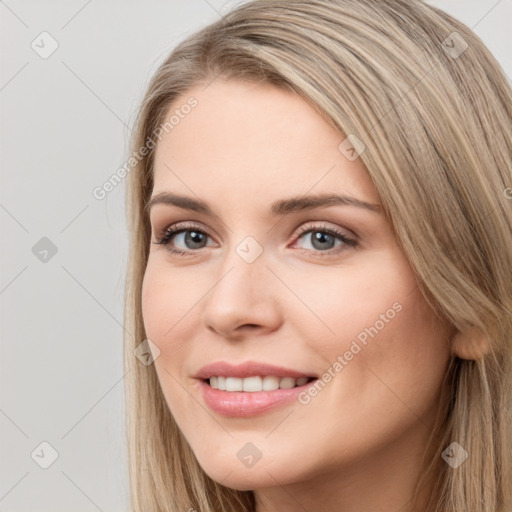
pixel 243 300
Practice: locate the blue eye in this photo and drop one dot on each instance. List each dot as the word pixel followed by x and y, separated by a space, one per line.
pixel 195 239
pixel 324 238
pixel 193 236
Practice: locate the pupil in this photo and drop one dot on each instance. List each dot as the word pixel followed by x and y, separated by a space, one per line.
pixel 321 237
pixel 194 237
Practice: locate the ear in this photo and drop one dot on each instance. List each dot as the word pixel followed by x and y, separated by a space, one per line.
pixel 470 344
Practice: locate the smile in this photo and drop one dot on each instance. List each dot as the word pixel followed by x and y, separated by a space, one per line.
pixel 237 402
pixel 256 383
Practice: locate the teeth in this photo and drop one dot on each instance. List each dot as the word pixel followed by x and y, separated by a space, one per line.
pixel 234 384
pixel 270 383
pixel 287 383
pixel 252 384
pixel 256 383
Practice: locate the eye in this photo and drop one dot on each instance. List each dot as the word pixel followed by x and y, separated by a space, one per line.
pixel 323 239
pixel 194 239
pixel 190 235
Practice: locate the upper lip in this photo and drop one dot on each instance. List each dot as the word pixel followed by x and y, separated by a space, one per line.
pixel 247 369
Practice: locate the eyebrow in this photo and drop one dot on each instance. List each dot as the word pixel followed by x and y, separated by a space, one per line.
pixel 280 207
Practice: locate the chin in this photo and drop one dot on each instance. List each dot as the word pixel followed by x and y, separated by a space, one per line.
pixel 248 481
pixel 236 475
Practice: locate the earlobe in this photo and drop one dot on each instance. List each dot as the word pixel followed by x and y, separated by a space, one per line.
pixel 470 344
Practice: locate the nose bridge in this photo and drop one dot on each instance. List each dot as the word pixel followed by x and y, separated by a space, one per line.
pixel 243 272
pixel 242 293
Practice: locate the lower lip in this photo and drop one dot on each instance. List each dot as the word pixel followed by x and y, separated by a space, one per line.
pixel 246 403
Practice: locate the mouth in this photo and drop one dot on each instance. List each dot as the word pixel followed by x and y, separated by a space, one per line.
pixel 252 396
pixel 250 388
pixel 256 383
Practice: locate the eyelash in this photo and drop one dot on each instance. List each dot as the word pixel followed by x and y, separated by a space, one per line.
pixel 180 228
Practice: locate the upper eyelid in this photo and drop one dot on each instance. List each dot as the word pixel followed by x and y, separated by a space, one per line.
pixel 181 226
pixel 185 225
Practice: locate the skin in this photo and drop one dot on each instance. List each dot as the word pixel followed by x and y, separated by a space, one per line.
pixel 357 445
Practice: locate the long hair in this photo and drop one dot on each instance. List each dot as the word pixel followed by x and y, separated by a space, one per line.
pixel 433 109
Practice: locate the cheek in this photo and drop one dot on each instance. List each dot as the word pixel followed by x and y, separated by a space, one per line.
pixel 165 300
pixel 353 303
pixel 171 305
pixel 377 320
pixel 168 299
pixel 413 349
pixel 154 298
pixel 399 369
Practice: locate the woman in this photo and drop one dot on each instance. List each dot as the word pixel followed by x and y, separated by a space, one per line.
pixel 320 266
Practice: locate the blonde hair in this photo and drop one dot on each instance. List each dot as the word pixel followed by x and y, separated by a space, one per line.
pixel 435 117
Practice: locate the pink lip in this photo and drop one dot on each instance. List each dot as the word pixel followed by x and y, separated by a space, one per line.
pixel 247 369
pixel 241 403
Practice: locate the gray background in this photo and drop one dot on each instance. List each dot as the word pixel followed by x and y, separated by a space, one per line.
pixel 65 123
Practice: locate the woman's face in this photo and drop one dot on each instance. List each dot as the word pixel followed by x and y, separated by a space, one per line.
pixel 321 292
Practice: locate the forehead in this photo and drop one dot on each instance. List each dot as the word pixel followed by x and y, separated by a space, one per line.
pixel 244 139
